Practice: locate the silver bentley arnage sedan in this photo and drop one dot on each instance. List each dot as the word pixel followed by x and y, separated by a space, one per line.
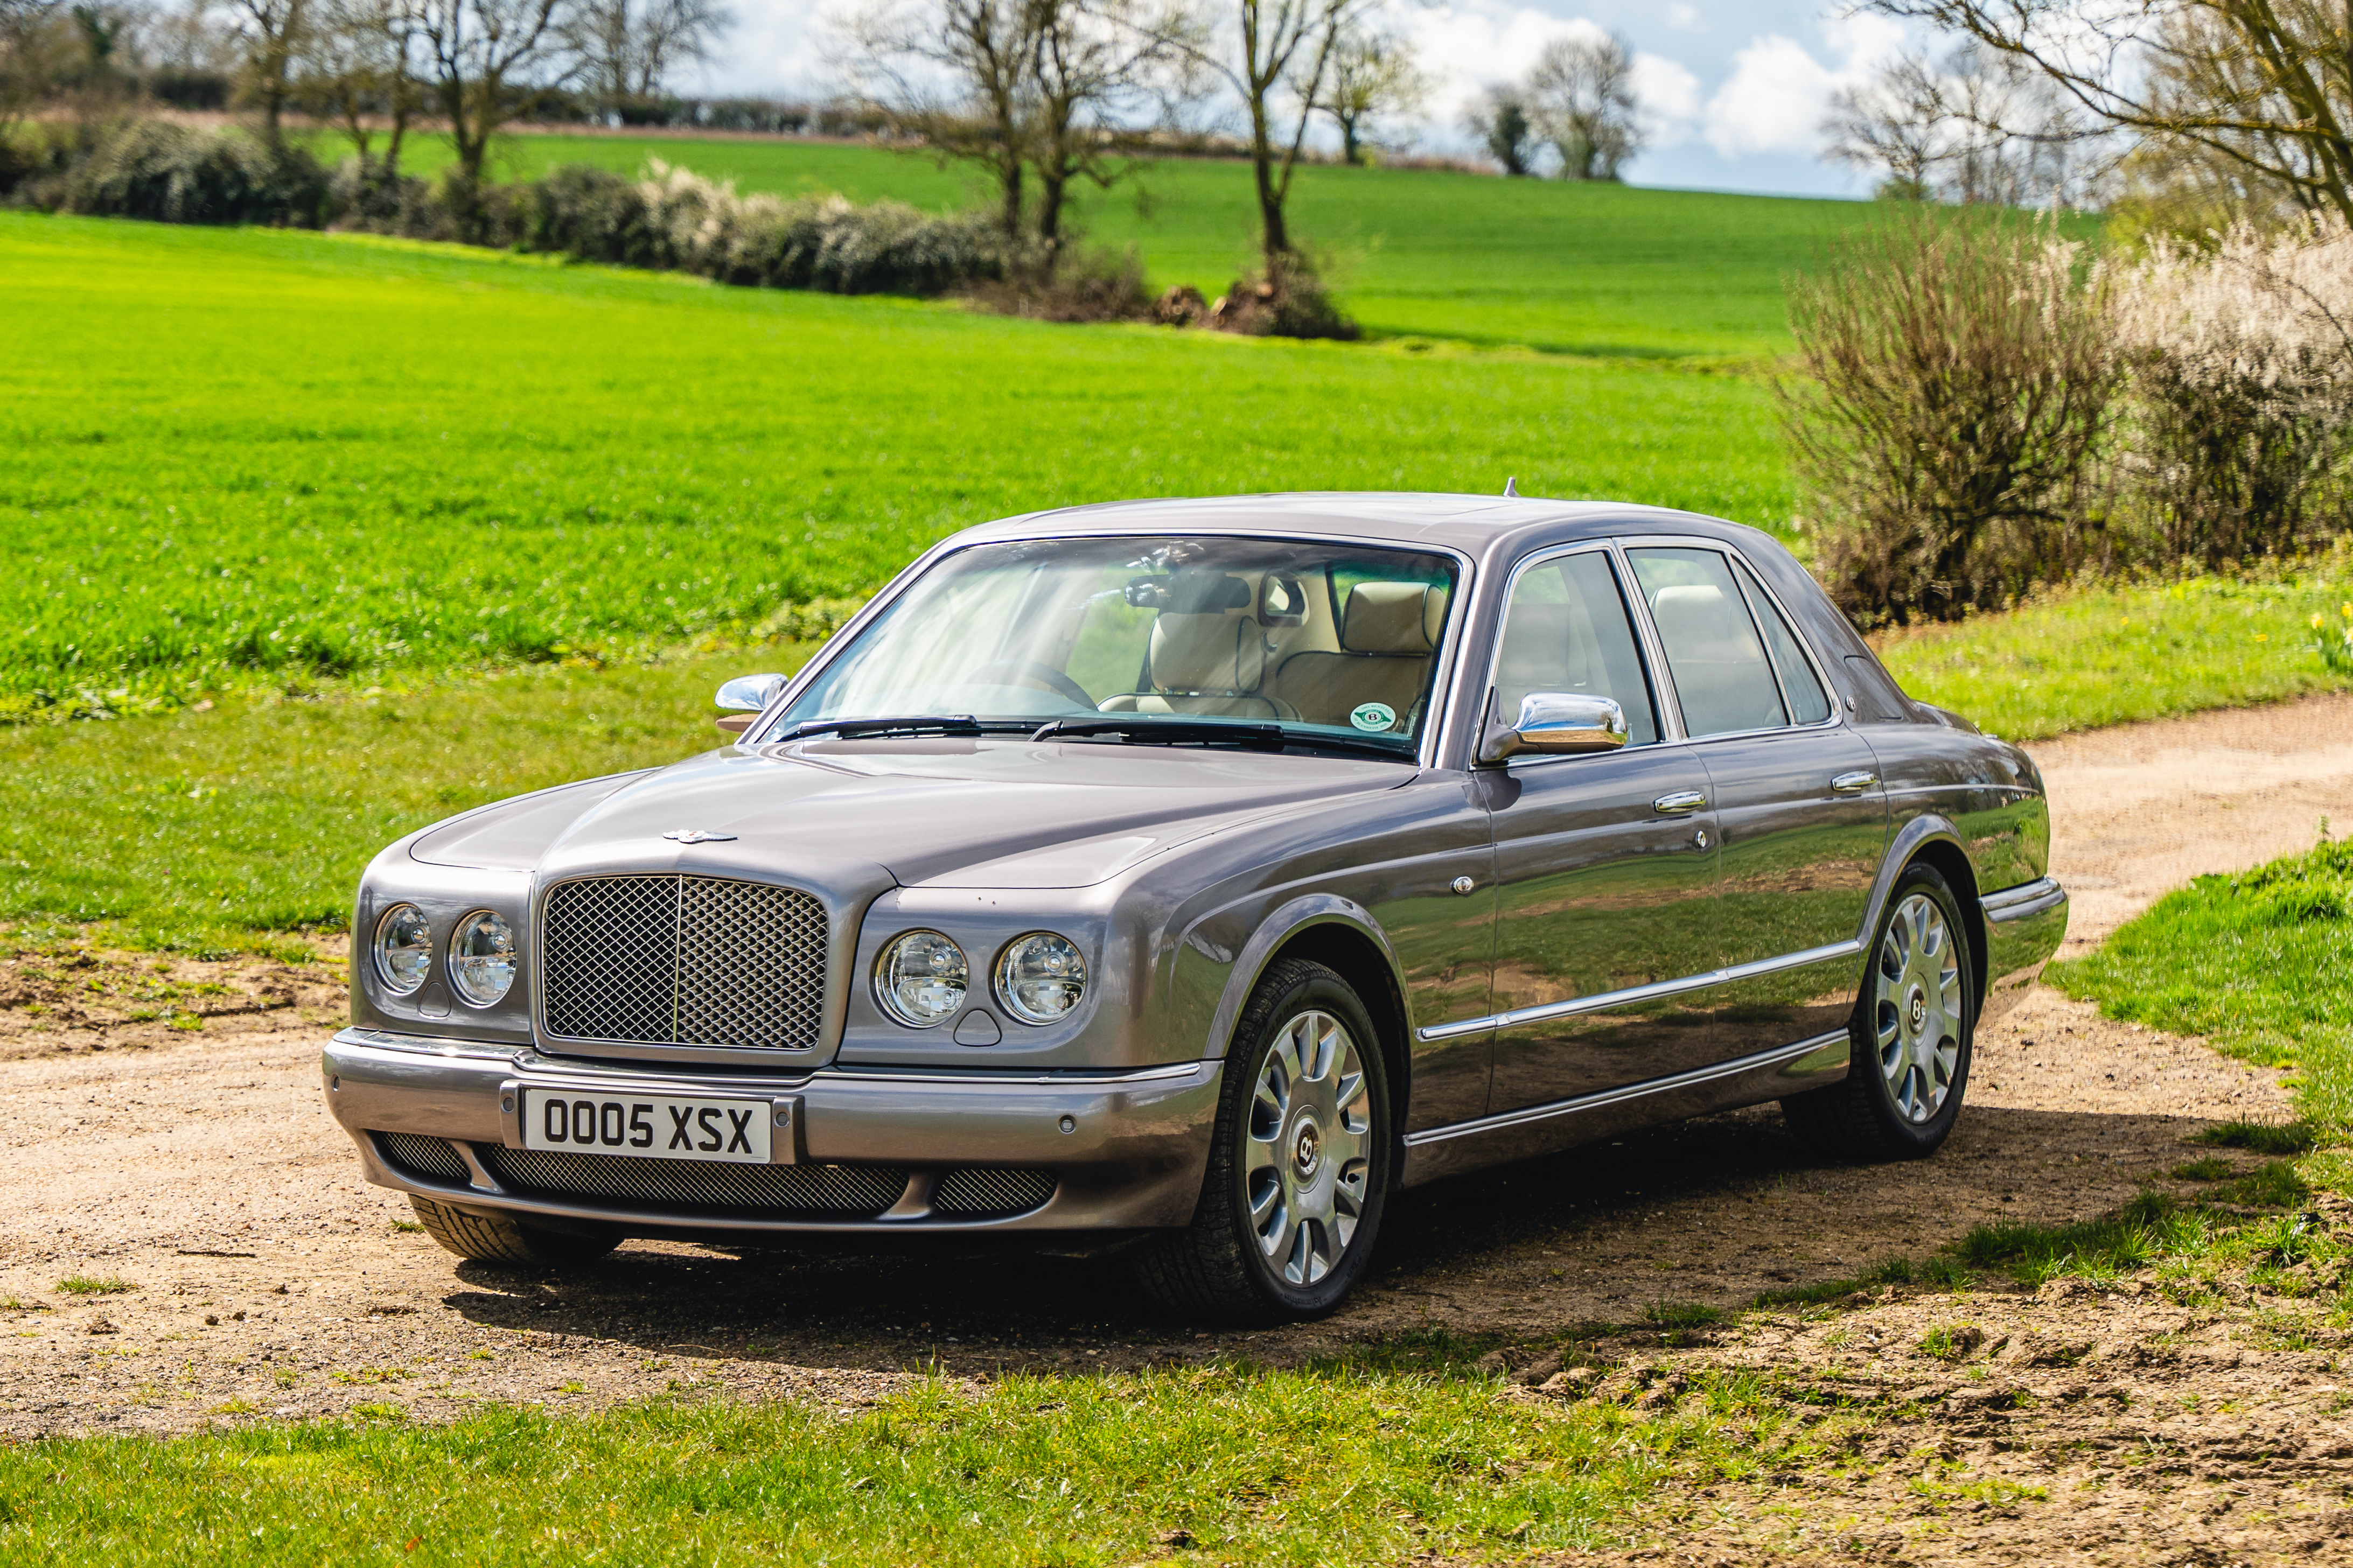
pixel 1187 877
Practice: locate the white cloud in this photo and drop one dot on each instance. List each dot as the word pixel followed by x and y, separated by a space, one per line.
pixel 1669 94
pixel 1468 45
pixel 1778 93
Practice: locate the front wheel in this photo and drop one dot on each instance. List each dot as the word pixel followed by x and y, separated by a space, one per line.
pixel 1913 1031
pixel 488 1240
pixel 1299 1163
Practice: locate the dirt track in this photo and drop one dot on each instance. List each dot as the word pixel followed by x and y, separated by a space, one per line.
pixel 197 1166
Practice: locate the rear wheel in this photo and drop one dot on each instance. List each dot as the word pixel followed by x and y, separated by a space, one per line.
pixel 501 1239
pixel 1913 1033
pixel 1299 1164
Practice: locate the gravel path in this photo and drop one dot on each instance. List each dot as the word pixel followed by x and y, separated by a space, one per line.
pixel 194 1165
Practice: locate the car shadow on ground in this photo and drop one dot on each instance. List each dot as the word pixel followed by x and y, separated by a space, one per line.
pixel 1709 1212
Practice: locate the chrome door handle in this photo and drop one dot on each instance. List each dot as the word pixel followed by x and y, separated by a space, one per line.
pixel 1679 803
pixel 1854 782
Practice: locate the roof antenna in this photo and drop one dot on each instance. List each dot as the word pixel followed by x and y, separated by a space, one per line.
pixel 1512 489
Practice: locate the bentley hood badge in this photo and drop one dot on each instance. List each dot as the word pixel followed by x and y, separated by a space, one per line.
pixel 697 836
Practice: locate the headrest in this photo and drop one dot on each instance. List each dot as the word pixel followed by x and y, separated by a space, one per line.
pixel 1393 617
pixel 1207 653
pixel 1698 622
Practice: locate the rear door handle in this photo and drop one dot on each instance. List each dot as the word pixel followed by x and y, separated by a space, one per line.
pixel 1854 782
pixel 1679 803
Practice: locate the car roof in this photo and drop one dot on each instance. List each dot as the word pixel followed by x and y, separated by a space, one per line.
pixel 1475 525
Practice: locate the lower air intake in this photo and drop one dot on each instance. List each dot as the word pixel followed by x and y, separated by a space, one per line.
pixel 980 1192
pixel 840 1191
pixel 414 1156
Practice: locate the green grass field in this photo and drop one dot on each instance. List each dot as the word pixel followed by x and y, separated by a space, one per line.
pixel 229 457
pixel 1562 268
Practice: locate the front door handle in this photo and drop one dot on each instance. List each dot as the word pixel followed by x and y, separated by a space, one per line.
pixel 1679 803
pixel 1854 782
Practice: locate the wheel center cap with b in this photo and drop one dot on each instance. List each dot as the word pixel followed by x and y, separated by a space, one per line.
pixel 1308 1152
pixel 1919 1011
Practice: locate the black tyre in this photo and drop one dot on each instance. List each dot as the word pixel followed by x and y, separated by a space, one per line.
pixel 504 1240
pixel 1299 1166
pixel 1913 1027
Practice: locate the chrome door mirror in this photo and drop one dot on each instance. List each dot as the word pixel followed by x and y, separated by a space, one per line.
pixel 1557 723
pixel 743 697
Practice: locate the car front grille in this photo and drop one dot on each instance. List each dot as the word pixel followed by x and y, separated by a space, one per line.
pixel 683 961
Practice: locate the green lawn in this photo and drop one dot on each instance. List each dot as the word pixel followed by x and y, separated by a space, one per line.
pixel 238 455
pixel 1334 1465
pixel 1567 269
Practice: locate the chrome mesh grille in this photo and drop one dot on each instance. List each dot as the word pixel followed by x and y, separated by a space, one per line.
pixel 688 960
pixel 974 1190
pixel 422 1156
pixel 842 1191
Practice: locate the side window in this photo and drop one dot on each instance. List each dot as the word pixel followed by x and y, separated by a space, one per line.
pixel 1809 704
pixel 1712 651
pixel 1566 629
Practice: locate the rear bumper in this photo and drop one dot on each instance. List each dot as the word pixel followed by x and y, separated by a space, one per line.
pixel 2024 926
pixel 1131 1158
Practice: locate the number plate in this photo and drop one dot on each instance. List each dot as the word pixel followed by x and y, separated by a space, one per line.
pixel 647 1126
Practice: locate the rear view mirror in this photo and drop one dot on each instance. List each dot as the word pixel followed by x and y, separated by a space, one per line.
pixel 1280 598
pixel 743 697
pixel 1557 723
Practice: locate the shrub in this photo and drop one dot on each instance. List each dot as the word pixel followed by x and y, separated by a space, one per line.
pixel 169 173
pixel 1287 301
pixel 1959 384
pixel 2242 406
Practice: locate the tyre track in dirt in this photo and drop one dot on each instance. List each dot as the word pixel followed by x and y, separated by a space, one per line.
pixel 199 1167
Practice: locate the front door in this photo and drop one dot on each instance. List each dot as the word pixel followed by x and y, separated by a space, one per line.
pixel 1606 863
pixel 1796 793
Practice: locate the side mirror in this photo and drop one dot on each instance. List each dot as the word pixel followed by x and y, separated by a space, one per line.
pixel 743 697
pixel 1555 723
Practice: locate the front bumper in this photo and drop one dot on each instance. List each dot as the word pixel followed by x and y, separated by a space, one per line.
pixel 1131 1159
pixel 2024 926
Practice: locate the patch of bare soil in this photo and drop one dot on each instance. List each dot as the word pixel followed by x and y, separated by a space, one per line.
pixel 197 1168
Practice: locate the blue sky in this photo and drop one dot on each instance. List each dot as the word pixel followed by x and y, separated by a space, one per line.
pixel 1732 91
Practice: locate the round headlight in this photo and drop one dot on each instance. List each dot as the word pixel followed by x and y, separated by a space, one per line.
pixel 482 958
pixel 404 949
pixel 921 979
pixel 1040 977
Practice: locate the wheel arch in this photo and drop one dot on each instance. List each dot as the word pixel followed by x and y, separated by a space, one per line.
pixel 1935 842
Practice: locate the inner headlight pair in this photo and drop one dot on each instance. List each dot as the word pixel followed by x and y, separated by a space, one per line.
pixel 922 978
pixel 481 955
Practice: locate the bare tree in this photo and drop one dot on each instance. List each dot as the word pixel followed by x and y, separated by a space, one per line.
pixel 1500 118
pixel 356 62
pixel 270 33
pixel 2263 87
pixel 479 55
pixel 627 49
pixel 1090 58
pixel 1276 56
pixel 1979 128
pixel 1373 78
pixel 29 40
pixel 1581 98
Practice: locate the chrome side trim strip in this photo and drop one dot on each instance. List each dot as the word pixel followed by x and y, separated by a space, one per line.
pixel 429 1045
pixel 1603 1001
pixel 2021 902
pixel 1692 1079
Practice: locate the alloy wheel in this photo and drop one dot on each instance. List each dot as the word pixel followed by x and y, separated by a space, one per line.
pixel 1307 1153
pixel 1917 1020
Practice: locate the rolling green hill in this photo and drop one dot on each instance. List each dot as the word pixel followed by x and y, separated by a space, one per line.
pixel 1585 269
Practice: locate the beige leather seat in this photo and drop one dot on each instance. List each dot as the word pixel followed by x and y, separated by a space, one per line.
pixel 1210 664
pixel 1387 632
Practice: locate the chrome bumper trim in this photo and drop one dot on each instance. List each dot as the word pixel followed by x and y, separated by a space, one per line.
pixel 2025 901
pixel 1783 1056
pixel 1548 1011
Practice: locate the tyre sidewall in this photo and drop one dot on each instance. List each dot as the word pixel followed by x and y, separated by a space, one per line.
pixel 1906 1138
pixel 1318 991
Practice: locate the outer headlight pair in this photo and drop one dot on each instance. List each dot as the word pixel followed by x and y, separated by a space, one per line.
pixel 481 961
pixel 923 979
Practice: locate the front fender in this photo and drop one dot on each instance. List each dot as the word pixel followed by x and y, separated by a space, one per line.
pixel 1286 921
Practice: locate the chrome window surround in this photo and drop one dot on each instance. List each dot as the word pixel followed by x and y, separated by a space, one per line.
pixel 1665 710
pixel 1448 654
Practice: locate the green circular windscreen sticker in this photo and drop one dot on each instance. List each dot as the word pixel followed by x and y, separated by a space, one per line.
pixel 1373 716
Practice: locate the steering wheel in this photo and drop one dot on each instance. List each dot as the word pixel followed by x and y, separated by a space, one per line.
pixel 1045 675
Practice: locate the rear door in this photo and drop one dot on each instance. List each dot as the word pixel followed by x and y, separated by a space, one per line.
pixel 1795 791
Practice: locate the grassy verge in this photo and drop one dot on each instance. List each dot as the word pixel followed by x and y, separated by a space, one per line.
pixel 2080 658
pixel 197 830
pixel 1329 1465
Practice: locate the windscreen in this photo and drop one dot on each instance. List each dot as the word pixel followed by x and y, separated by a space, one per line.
pixel 1332 639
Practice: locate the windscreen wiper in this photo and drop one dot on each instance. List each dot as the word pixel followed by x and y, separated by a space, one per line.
pixel 1257 737
pixel 1366 747
pixel 931 724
